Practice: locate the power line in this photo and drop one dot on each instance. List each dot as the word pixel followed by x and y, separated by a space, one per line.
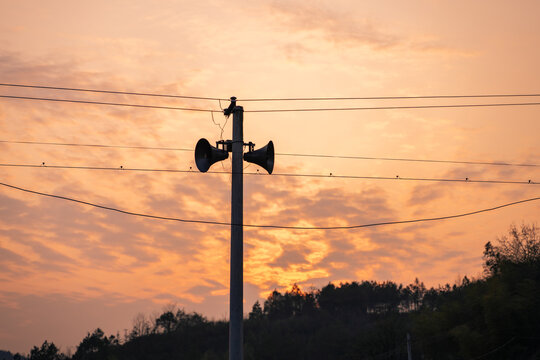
pixel 466 180
pixel 268 226
pixel 495 350
pixel 393 107
pixel 329 176
pixel 106 103
pixel 113 92
pixel 274 110
pixel 494 163
pixel 95 145
pixel 350 157
pixel 391 97
pixel 105 168
pixel 272 99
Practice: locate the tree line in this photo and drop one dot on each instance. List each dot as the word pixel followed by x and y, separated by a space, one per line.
pixel 494 317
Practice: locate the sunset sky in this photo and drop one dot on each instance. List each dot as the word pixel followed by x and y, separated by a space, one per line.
pixel 67 268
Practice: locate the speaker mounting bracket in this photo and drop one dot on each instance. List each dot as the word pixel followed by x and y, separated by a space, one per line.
pixel 250 145
pixel 225 145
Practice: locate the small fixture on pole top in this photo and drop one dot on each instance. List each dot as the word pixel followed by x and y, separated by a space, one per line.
pixel 228 111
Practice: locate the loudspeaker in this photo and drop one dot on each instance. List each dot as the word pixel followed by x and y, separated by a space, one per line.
pixel 206 155
pixel 263 157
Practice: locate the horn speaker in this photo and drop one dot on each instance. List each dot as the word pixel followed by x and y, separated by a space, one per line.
pixel 263 157
pixel 206 155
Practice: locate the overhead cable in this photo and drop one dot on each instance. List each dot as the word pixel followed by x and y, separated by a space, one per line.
pixel 272 99
pixel 493 163
pixel 397 177
pixel 328 176
pixel 350 157
pixel 392 107
pixel 494 350
pixel 275 110
pixel 106 103
pixel 268 226
pixel 95 145
pixel 113 92
pixel 391 97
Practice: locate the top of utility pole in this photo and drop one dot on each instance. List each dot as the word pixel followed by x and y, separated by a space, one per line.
pixel 228 111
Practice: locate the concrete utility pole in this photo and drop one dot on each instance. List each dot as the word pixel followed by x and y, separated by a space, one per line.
pixel 236 306
pixel 205 156
pixel 409 352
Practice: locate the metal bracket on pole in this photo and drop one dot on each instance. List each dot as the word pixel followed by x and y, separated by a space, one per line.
pixel 250 145
pixel 225 145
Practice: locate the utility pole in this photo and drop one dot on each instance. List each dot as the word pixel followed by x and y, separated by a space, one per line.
pixel 205 156
pixel 409 351
pixel 236 308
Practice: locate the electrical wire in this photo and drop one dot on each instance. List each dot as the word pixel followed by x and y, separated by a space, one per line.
pixel 274 110
pixel 95 145
pixel 391 97
pixel 221 128
pixel 106 103
pixel 494 163
pixel 349 157
pixel 466 180
pixel 105 168
pixel 392 107
pixel 112 92
pixel 332 176
pixel 272 99
pixel 267 226
pixel 494 350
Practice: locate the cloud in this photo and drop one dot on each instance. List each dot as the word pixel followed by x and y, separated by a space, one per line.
pixel 344 29
pixel 334 27
pixel 281 258
pixel 422 194
pixel 290 255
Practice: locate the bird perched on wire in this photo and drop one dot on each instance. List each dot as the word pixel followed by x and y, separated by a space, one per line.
pixel 228 111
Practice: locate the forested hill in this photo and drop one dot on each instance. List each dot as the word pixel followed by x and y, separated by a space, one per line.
pixel 495 317
pixel 5 355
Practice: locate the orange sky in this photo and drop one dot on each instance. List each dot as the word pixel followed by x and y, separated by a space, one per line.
pixel 67 268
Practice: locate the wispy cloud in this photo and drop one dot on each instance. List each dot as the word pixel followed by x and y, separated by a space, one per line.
pixel 347 30
pixel 337 27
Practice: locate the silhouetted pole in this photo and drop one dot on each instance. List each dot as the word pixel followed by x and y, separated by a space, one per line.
pixel 236 309
pixel 409 352
pixel 205 156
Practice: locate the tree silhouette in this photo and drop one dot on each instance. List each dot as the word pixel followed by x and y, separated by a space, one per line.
pixel 141 326
pixel 188 320
pixel 166 322
pixel 93 344
pixel 47 351
pixel 520 246
pixel 291 303
pixel 256 313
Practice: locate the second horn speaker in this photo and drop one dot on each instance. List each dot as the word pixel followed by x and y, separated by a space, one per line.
pixel 263 157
